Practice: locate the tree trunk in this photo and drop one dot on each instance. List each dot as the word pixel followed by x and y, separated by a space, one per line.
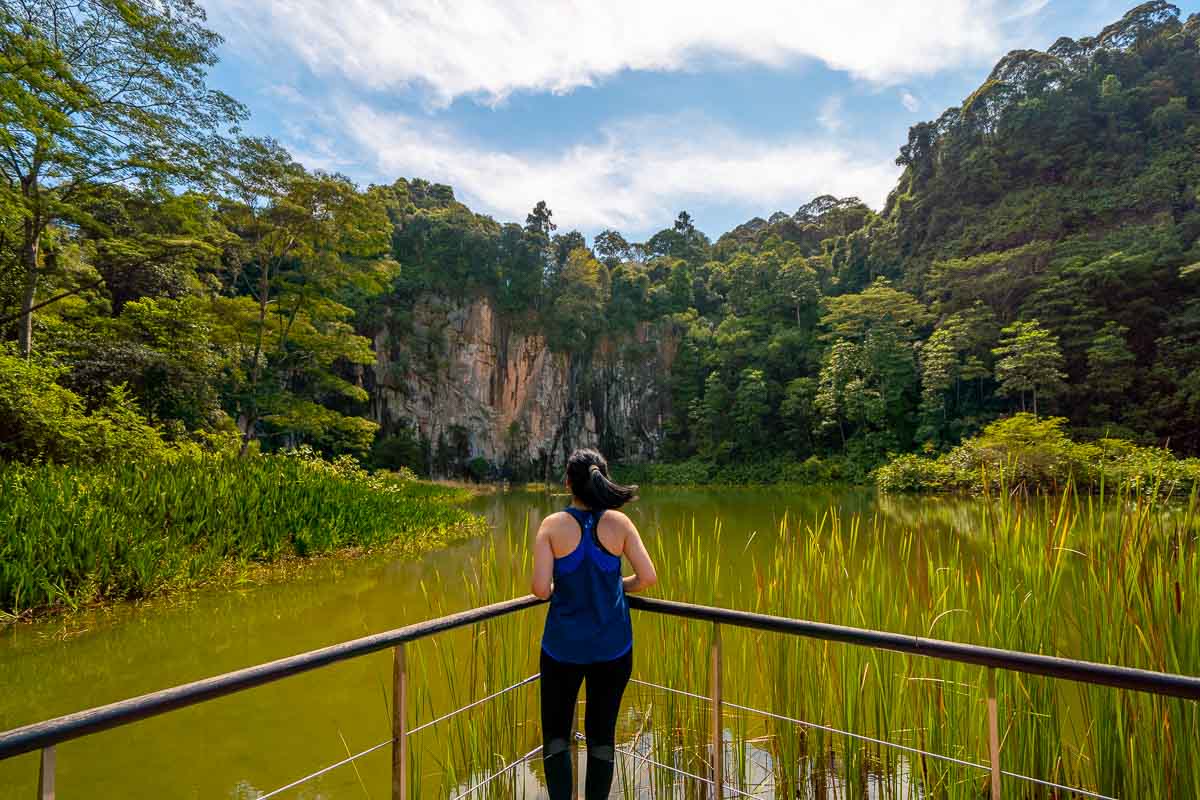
pixel 246 424
pixel 1035 414
pixel 29 260
pixel 251 415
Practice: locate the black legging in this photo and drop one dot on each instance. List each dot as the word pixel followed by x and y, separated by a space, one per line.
pixel 606 682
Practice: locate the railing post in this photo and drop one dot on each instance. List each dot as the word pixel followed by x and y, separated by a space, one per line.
pixel 718 743
pixel 993 733
pixel 46 774
pixel 400 724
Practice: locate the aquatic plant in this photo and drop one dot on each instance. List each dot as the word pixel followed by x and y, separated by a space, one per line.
pixel 73 534
pixel 1100 578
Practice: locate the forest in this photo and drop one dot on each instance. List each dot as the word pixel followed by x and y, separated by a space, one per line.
pixel 167 282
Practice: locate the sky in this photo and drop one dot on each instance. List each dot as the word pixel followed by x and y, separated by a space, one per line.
pixel 619 114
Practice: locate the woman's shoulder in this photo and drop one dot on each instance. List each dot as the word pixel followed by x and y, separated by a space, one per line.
pixel 559 522
pixel 618 517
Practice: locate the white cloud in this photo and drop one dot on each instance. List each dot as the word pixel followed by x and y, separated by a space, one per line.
pixel 909 100
pixel 491 48
pixel 830 117
pixel 285 92
pixel 634 177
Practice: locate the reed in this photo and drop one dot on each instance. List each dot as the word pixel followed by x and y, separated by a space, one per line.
pixel 75 535
pixel 1111 579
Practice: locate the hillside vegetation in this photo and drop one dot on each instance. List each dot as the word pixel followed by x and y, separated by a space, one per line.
pixel 1038 254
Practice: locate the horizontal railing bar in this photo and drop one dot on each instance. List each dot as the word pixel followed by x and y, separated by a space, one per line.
pixel 495 775
pixel 41 734
pixel 478 702
pixel 872 740
pixel 917 751
pixel 323 770
pixel 1141 680
pixel 381 745
pixel 726 785
pixel 670 689
pixel 825 728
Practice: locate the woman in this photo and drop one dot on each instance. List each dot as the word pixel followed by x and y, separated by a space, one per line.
pixel 577 564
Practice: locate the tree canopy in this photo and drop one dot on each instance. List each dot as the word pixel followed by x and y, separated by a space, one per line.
pixel 1039 251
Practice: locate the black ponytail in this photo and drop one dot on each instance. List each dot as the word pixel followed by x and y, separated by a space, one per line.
pixel 587 475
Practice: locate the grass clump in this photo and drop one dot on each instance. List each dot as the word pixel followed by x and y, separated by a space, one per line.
pixel 71 535
pixel 1111 581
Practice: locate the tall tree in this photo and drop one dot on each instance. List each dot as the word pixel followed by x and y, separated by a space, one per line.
pixel 1111 367
pixel 308 242
pixel 612 248
pixel 576 317
pixel 100 92
pixel 1029 361
pixel 751 405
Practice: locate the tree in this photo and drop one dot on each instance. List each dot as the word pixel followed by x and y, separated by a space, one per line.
pixel 798 410
pixel 708 416
pixel 952 356
pixel 563 244
pixel 839 385
pixel 682 240
pixel 540 221
pixel 307 240
pixel 751 404
pixel 1029 360
pixel 797 283
pixel 852 316
pixel 1110 365
pixel 96 93
pixel 612 248
pixel 577 316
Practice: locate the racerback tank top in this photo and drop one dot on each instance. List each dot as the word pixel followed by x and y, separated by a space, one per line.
pixel 588 619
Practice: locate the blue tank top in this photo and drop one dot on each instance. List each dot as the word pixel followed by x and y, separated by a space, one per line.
pixel 588 619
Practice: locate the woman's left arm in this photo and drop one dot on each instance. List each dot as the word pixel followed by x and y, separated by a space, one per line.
pixel 543 563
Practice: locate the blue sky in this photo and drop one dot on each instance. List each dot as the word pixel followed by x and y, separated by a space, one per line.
pixel 620 114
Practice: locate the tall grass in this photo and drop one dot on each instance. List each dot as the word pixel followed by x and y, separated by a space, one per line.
pixel 1108 580
pixel 70 535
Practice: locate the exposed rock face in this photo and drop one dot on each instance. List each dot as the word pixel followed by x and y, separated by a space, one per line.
pixel 463 375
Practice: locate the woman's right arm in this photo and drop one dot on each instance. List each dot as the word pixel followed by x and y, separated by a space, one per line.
pixel 644 576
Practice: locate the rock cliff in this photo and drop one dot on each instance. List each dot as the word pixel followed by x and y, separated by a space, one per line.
pixel 460 373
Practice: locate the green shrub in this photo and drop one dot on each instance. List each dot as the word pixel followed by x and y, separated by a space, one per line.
pixel 1025 453
pixel 402 449
pixel 479 468
pixel 912 473
pixel 43 421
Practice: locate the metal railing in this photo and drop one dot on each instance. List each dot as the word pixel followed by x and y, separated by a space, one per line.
pixel 44 736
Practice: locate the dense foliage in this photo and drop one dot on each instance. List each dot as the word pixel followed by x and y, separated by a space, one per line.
pixel 1038 254
pixel 1024 453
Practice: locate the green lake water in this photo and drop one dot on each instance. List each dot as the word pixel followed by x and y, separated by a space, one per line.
pixel 254 741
